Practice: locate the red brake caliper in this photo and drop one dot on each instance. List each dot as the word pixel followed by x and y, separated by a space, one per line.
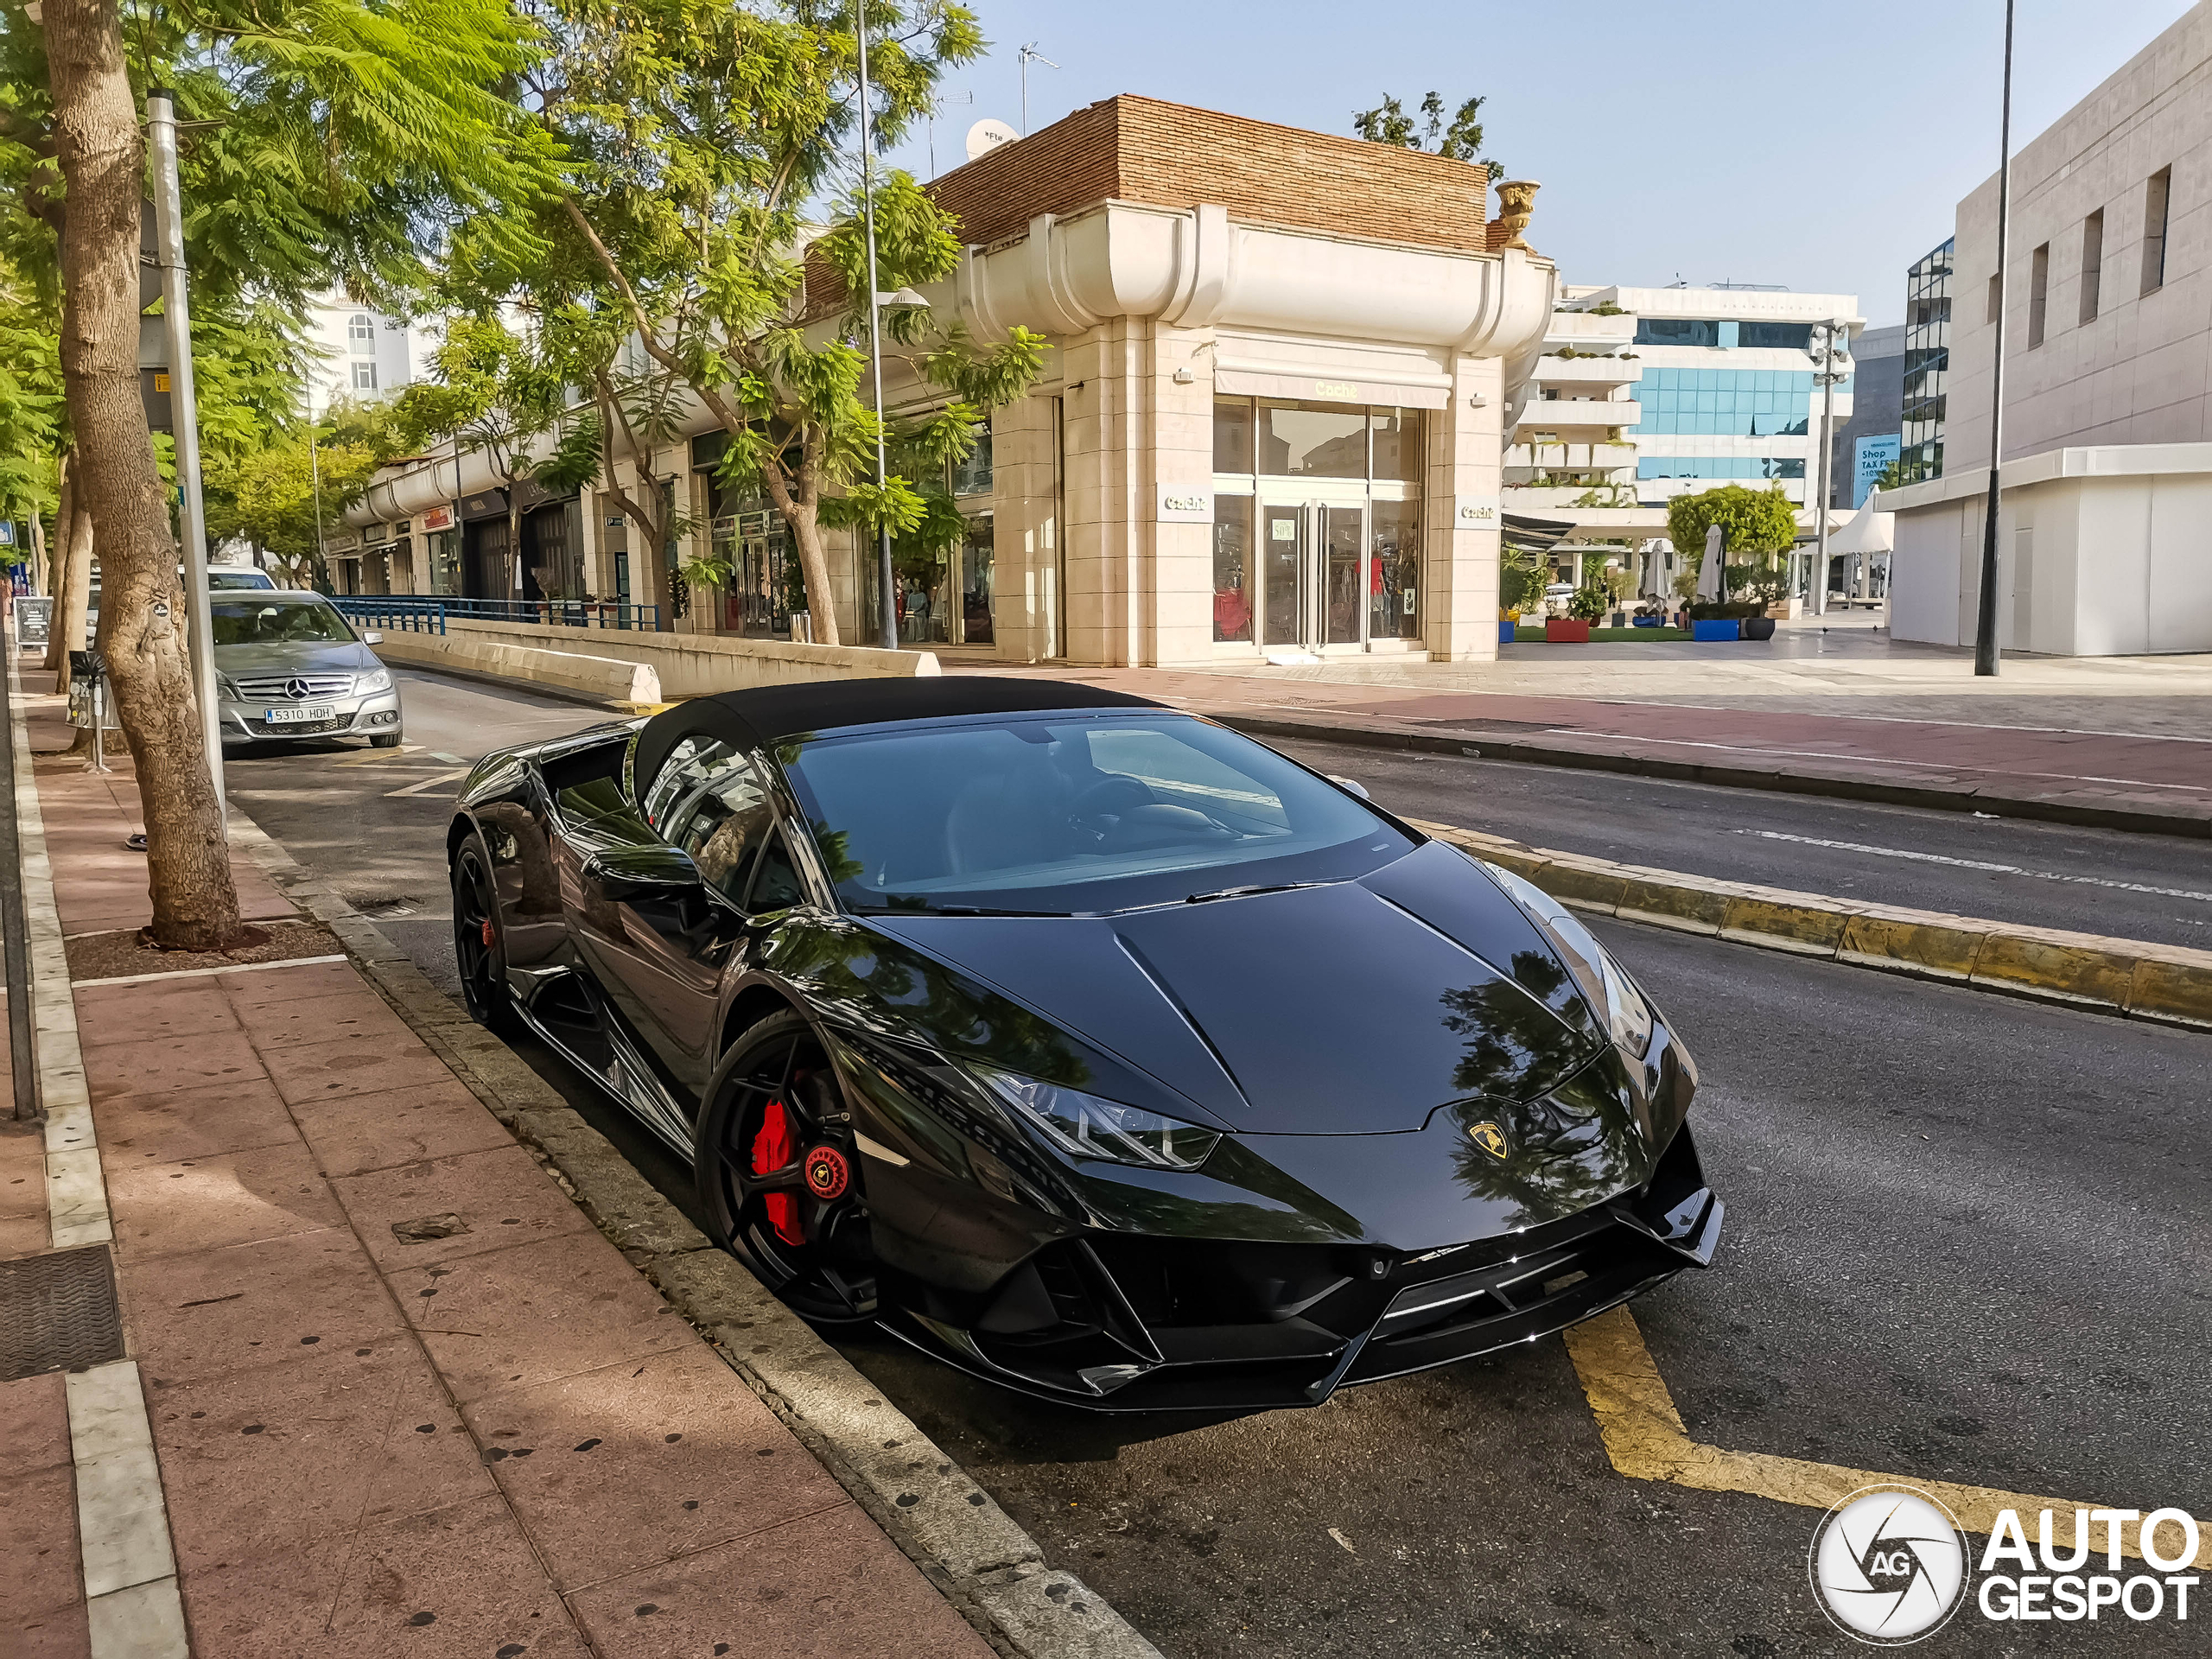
pixel 772 1150
pixel 491 938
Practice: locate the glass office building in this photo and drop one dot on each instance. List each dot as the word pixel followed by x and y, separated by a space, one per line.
pixel 1685 408
pixel 1926 362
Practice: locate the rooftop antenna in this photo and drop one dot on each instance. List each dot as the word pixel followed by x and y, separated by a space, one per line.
pixel 936 106
pixel 1028 54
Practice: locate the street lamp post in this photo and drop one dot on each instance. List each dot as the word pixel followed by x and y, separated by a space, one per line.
pixel 1833 363
pixel 889 608
pixel 1984 625
pixel 169 226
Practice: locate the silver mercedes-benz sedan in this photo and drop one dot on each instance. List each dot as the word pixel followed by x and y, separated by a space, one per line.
pixel 288 665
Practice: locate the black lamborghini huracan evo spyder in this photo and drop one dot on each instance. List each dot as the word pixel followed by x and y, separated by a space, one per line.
pixel 1096 1048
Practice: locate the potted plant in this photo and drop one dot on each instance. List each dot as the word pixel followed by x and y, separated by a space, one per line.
pixel 1585 605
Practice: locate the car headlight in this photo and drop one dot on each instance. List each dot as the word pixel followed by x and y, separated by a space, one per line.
pixel 1603 981
pixel 1083 1126
pixel 227 689
pixel 379 681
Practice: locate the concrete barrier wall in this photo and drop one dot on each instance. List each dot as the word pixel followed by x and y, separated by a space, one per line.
pixel 606 679
pixel 686 666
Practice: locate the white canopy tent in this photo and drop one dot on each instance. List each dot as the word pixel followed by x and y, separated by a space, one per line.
pixel 1867 536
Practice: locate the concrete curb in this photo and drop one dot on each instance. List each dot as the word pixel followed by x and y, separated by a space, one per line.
pixel 975 1555
pixel 2192 819
pixel 2168 985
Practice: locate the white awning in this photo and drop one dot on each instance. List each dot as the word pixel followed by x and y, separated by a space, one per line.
pixel 1867 532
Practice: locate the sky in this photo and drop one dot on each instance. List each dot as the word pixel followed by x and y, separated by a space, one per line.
pixel 1818 146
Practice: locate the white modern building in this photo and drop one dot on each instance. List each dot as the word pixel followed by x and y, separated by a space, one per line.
pixel 362 353
pixel 2105 535
pixel 1642 394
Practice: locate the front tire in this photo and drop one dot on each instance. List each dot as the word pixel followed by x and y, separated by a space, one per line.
pixel 479 945
pixel 768 1117
pixel 384 741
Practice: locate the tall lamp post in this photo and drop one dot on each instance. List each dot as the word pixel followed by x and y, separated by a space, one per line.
pixel 176 312
pixel 876 301
pixel 1831 355
pixel 1985 624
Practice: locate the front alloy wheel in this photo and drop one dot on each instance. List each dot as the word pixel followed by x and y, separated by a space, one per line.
pixel 778 1173
pixel 479 945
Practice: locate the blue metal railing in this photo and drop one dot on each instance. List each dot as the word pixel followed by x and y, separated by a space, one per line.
pixel 414 614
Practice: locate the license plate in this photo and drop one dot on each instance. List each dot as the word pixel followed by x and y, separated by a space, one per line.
pixel 298 714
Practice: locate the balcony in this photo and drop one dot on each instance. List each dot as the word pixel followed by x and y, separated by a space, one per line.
pixel 1586 373
pixel 1579 414
pixel 1566 456
pixel 1577 500
pixel 1582 330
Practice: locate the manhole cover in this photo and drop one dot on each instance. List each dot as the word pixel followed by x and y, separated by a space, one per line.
pixel 58 1313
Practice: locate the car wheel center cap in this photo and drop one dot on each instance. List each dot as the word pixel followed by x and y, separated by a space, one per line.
pixel 827 1173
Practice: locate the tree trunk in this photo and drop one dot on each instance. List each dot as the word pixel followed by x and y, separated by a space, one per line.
pixel 72 569
pixel 142 611
pixel 814 566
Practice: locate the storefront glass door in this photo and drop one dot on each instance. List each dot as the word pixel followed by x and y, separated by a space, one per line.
pixel 1284 538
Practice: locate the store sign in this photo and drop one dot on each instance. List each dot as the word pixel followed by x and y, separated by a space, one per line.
pixel 437 519
pixel 1338 390
pixel 340 544
pixel 1870 460
pixel 1182 506
pixel 1477 513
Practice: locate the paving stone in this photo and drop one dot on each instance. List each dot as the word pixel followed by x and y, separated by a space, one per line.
pixel 213 1312
pixel 169 1063
pixel 296 1021
pixel 518 1318
pixel 359 1064
pixel 191 1008
pixel 637 1464
pixel 235 1198
pixel 360 1133
pixel 826 1587
pixel 165 1125
pixel 265 1461
pixel 502 1196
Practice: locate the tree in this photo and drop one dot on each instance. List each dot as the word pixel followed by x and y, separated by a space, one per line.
pixel 344 134
pixel 1756 526
pixel 706 135
pixel 1458 140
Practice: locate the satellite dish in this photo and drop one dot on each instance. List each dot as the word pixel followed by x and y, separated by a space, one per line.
pixel 987 134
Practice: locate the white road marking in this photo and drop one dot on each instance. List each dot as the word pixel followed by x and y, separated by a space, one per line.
pixel 1978 864
pixel 379 757
pixel 435 778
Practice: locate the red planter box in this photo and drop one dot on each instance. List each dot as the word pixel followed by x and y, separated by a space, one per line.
pixel 1567 630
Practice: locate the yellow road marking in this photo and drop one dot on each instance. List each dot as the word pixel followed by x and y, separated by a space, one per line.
pixel 379 757
pixel 1645 1437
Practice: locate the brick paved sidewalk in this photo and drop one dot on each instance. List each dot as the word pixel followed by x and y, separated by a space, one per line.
pixel 405 1399
pixel 2133 780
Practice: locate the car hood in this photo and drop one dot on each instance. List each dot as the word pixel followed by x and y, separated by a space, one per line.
pixel 308 657
pixel 1356 1008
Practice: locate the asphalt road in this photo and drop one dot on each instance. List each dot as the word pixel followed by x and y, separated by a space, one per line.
pixel 2008 869
pixel 1965 1242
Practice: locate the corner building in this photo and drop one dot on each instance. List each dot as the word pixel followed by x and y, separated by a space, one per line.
pixel 1270 417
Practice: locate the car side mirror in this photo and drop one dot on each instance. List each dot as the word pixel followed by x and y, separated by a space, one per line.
pixel 1353 786
pixel 628 872
pixel 373 638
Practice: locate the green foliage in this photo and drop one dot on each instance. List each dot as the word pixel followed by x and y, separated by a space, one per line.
pixel 1589 601
pixel 1758 528
pixel 31 413
pixel 1460 139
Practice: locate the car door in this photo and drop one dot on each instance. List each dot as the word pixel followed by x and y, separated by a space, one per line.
pixel 663 919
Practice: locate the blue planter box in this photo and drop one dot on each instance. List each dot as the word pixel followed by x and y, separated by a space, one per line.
pixel 1715 630
pixel 1504 632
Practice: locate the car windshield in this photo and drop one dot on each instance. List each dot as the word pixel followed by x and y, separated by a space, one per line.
pixel 1061 815
pixel 278 622
pixel 220 581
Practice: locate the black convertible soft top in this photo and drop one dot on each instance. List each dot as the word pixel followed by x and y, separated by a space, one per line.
pixel 761 715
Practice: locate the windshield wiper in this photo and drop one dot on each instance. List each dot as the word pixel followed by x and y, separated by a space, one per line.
pixel 981 910
pixel 1246 893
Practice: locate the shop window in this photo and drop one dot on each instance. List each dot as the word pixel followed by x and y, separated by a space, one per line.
pixel 1312 440
pixel 1397 438
pixel 1232 567
pixel 1232 434
pixel 972 476
pixel 977 553
pixel 1393 574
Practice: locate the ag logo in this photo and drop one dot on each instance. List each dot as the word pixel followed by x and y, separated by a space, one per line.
pixel 1888 1566
pixel 1489 1137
